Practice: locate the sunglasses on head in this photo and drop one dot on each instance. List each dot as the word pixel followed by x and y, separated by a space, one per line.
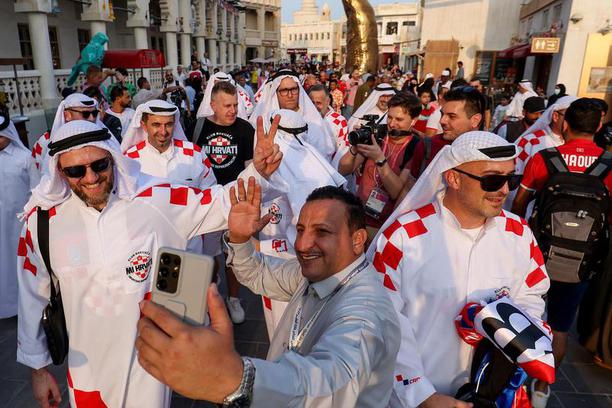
pixel 97 166
pixel 494 182
pixel 86 113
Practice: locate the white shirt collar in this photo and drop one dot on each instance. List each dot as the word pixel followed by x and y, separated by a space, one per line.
pixel 325 287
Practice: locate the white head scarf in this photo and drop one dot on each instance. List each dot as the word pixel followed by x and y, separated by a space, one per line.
pixel 136 134
pixel 370 103
pixel 303 167
pixel 243 104
pixel 469 147
pixel 75 100
pixel 543 122
pixel 268 103
pixel 53 188
pixel 8 130
pixel 526 83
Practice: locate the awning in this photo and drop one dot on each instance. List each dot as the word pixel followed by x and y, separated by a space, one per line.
pixel 133 59
pixel 522 51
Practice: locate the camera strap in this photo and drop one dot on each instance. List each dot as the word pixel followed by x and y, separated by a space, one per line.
pixel 43 243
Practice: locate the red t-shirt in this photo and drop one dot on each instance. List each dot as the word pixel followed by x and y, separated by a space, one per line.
pixel 421 123
pixel 578 154
pixel 437 143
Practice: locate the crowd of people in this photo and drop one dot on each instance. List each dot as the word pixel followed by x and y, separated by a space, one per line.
pixel 414 244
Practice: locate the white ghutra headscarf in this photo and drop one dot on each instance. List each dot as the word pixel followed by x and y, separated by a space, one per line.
pixel 469 147
pixel 136 134
pixel 321 134
pixel 53 189
pixel 245 106
pixel 368 106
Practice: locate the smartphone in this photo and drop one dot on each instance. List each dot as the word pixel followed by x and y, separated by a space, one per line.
pixel 180 283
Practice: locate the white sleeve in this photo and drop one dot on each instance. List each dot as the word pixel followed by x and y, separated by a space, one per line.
pixel 503 131
pixel 412 386
pixel 34 292
pixel 206 176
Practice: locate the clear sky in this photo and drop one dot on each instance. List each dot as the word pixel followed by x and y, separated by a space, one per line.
pixel 289 6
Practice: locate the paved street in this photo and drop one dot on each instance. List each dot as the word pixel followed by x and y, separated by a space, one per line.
pixel 580 383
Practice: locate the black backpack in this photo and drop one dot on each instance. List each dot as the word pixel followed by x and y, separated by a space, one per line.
pixel 570 221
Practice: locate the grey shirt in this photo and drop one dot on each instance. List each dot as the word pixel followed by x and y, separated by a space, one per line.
pixel 346 359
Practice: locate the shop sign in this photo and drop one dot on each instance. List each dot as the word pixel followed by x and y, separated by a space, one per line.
pixel 545 45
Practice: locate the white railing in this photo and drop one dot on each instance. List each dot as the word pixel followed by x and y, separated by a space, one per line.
pixel 29 90
pixel 61 80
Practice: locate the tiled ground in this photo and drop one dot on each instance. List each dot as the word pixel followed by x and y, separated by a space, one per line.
pixel 580 383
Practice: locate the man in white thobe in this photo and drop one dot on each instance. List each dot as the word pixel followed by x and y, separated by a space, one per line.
pixel 515 108
pixel 375 104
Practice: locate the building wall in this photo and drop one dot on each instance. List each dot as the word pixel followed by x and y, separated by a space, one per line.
pixel 477 25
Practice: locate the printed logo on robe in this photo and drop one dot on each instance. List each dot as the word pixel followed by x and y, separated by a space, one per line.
pixel 139 266
pixel 279 245
pixel 221 149
pixel 275 211
pixel 504 291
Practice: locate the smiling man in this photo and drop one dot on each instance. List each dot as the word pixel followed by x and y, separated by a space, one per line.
pixel 336 342
pixel 449 243
pixel 106 220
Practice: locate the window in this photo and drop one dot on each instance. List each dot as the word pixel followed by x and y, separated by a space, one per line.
pixel 83 36
pixel 55 49
pixel 545 19
pixel 300 37
pixel 392 28
pixel 328 35
pixel 26 45
pixel 556 13
pixel 317 36
pixel 311 36
pixel 410 23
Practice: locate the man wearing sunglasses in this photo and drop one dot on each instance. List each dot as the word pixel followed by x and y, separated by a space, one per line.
pixel 284 91
pixel 449 243
pixel 107 220
pixel 75 107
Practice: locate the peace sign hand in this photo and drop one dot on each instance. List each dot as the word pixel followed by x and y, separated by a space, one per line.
pixel 267 155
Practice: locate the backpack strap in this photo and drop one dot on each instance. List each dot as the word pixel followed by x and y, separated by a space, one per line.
pixel 43 243
pixel 198 129
pixel 554 161
pixel 602 166
pixel 409 151
pixel 427 155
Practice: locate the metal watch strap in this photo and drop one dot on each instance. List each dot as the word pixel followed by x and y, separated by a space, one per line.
pixel 243 395
pixel 381 163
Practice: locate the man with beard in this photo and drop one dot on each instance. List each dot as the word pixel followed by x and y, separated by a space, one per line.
pixel 120 106
pixel 106 221
pixel 335 344
pixel 532 110
pixel 448 243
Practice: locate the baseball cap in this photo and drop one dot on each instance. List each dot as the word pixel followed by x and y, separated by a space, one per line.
pixel 534 104
pixel 446 72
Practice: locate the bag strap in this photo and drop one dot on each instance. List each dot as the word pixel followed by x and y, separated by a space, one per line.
pixel 554 161
pixel 601 167
pixel 43 243
pixel 197 130
pixel 409 152
pixel 427 156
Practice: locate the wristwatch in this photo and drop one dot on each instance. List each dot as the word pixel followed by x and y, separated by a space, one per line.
pixel 241 398
pixel 381 163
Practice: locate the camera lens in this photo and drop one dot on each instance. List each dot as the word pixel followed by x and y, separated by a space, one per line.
pixel 176 268
pixel 175 275
pixel 163 272
pixel 165 259
pixel 177 261
pixel 162 284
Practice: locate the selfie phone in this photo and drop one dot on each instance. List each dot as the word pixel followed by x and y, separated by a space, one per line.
pixel 180 283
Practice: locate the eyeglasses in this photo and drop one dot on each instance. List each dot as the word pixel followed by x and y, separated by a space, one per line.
pixel 287 91
pixel 494 182
pixel 86 113
pixel 78 172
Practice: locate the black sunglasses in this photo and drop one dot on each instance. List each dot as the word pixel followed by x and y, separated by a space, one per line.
pixel 86 113
pixel 494 182
pixel 97 166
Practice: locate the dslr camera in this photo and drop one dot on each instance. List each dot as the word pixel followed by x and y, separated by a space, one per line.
pixel 364 134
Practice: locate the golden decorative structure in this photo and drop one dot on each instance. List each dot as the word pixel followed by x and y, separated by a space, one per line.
pixel 361 36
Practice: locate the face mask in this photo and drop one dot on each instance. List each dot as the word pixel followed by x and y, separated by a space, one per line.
pixel 557 91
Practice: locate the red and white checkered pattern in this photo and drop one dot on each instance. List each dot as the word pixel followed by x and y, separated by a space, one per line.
pixel 339 126
pixel 40 148
pixel 528 146
pixel 219 141
pixel 179 195
pixel 133 152
pixel 389 253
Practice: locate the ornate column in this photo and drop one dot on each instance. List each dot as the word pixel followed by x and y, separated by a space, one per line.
pixel 231 41
pixel 41 47
pixel 98 12
pixel 199 15
pixel 211 29
pixel 139 21
pixel 277 25
pixel 170 24
pixel 261 27
pixel 240 48
pixel 185 30
pixel 239 30
pixel 223 40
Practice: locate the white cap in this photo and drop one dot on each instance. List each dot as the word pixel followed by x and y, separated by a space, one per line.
pixel 446 72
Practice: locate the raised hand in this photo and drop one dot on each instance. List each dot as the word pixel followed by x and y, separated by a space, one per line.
pixel 267 155
pixel 244 217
